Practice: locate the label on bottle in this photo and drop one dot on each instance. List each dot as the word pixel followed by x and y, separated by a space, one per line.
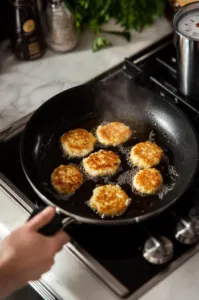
pixel 34 49
pixel 29 26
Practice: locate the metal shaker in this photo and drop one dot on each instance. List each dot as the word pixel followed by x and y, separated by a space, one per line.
pixel 61 32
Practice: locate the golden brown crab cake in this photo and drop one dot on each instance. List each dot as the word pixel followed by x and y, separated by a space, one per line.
pixel 109 201
pixel 66 179
pixel 113 134
pixel 148 181
pixel 78 142
pixel 101 163
pixel 146 155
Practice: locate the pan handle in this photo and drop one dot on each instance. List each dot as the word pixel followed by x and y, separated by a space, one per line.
pixel 56 224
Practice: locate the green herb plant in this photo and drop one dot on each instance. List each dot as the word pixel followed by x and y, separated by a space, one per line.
pixel 128 13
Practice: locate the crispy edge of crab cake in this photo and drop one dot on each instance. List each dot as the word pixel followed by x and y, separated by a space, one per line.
pixel 78 142
pixel 101 163
pixel 146 155
pixel 66 179
pixel 148 181
pixel 109 201
pixel 113 134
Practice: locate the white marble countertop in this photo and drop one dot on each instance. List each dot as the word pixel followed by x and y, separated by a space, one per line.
pixel 24 86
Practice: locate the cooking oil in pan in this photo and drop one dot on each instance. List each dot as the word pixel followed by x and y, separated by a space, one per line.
pixel 126 172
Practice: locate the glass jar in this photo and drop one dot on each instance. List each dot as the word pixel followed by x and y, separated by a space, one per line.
pixel 61 32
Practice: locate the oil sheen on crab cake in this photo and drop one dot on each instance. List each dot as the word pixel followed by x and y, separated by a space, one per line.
pixel 113 134
pixel 146 155
pixel 101 163
pixel 78 142
pixel 109 201
pixel 66 179
pixel 148 181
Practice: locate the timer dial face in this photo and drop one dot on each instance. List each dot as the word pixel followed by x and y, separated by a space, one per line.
pixel 188 24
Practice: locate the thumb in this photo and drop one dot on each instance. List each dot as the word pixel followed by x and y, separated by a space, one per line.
pixel 42 219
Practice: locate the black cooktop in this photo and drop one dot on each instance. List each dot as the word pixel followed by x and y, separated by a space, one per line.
pixel 119 249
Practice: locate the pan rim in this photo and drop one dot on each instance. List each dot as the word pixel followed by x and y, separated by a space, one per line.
pixel 100 221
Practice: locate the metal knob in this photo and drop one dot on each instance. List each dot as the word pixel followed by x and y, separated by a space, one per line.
pixel 187 231
pixel 158 250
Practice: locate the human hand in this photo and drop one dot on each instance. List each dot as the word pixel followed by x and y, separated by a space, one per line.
pixel 26 254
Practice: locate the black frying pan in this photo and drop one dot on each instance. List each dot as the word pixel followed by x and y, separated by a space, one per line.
pixel 87 106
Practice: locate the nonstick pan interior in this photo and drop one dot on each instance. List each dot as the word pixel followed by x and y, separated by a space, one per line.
pixel 87 106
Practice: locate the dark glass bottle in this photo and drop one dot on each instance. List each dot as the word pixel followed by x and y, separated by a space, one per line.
pixel 27 38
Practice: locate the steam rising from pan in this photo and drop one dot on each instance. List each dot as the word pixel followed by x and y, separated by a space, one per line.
pixel 115 101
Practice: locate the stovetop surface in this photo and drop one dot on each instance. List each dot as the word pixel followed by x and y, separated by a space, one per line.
pixel 119 249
